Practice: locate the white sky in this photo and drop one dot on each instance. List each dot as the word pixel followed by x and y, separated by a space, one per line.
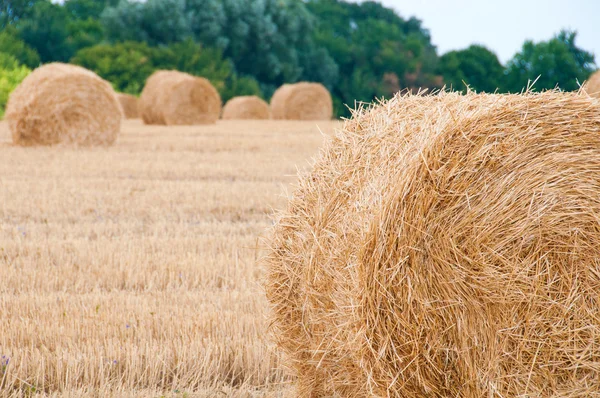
pixel 503 25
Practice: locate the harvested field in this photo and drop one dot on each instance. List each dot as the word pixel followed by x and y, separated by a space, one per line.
pixel 131 270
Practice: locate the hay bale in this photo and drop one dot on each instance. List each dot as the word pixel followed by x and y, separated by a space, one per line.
pixel 246 107
pixel 60 103
pixel 302 101
pixel 592 86
pixel 446 246
pixel 129 105
pixel 176 98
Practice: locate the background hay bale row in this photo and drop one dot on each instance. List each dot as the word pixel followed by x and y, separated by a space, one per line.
pixel 446 246
pixel 592 87
pixel 302 101
pixel 246 107
pixel 176 98
pixel 129 104
pixel 61 103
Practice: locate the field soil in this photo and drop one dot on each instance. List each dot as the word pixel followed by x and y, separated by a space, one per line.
pixel 132 270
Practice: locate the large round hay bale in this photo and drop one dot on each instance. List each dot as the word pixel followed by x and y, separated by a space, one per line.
pixel 592 87
pixel 60 103
pixel 246 107
pixel 176 98
pixel 302 101
pixel 446 246
pixel 129 104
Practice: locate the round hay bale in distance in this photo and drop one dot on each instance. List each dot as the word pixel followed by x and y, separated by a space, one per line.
pixel 61 103
pixel 246 107
pixel 302 101
pixel 444 246
pixel 592 86
pixel 177 98
pixel 129 104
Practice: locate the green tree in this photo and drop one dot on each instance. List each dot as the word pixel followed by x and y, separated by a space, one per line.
pixel 46 30
pixel 84 33
pixel 554 63
pixel 11 44
pixel 126 65
pixel 475 66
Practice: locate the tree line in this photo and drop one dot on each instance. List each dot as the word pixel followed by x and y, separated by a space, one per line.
pixel 250 47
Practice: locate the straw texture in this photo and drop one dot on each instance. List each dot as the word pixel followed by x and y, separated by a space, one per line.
pixel 592 87
pixel 129 104
pixel 60 103
pixel 177 98
pixel 302 101
pixel 446 246
pixel 246 107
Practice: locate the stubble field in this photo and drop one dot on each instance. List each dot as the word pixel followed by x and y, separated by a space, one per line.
pixel 131 270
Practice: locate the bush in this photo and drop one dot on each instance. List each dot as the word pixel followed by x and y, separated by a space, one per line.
pixel 11 75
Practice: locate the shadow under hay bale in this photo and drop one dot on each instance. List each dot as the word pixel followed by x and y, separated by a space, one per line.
pixel 592 86
pixel 176 98
pixel 246 107
pixel 129 104
pixel 444 246
pixel 61 103
pixel 302 101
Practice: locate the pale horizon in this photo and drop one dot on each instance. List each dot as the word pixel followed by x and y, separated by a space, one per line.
pixel 502 26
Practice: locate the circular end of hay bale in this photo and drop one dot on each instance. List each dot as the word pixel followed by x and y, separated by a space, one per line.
pixel 129 105
pixel 246 107
pixel 302 101
pixel 176 98
pixel 446 246
pixel 592 86
pixel 61 103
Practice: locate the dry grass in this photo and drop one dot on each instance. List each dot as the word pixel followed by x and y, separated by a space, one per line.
pixel 129 104
pixel 592 86
pixel 175 98
pixel 446 246
pixel 130 270
pixel 61 103
pixel 302 101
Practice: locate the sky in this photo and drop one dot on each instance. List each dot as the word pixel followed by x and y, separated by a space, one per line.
pixel 503 25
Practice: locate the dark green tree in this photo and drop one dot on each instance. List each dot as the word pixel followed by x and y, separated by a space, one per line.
pixel 196 60
pixel 156 22
pixel 371 44
pixel 46 30
pixel 475 66
pixel 85 9
pixel 235 86
pixel 557 62
pixel 13 11
pixel 270 40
